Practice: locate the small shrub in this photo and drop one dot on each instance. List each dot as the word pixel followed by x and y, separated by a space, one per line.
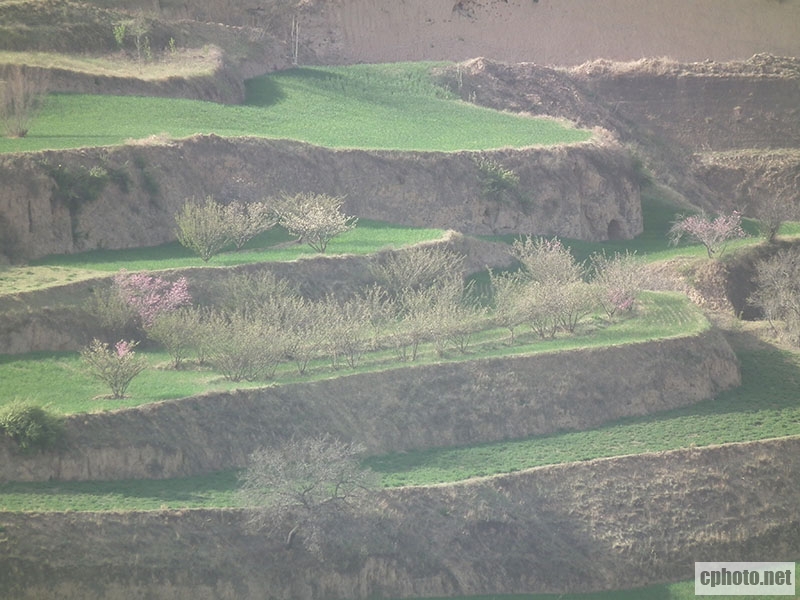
pixel 116 367
pixel 495 179
pixel 29 426
pixel 120 31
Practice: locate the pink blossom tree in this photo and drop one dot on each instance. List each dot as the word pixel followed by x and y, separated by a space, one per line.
pixel 150 296
pixel 116 366
pixel 713 234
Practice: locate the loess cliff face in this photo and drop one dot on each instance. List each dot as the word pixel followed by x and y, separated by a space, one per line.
pixel 64 202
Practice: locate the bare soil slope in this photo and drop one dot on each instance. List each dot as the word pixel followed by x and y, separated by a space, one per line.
pixel 565 32
pixel 602 524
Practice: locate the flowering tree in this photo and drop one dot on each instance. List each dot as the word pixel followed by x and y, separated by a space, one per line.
pixel 247 220
pixel 115 366
pixel 150 296
pixel 315 218
pixel 713 234
pixel 617 280
pixel 203 227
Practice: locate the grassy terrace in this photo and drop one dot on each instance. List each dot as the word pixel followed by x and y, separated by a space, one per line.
pixel 756 410
pixel 182 63
pixel 393 107
pixel 28 376
pixel 274 245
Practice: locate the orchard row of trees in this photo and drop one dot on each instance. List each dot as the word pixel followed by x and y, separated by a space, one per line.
pixel 258 321
pixel 207 227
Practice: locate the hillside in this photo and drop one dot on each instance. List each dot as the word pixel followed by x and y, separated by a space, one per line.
pixel 605 457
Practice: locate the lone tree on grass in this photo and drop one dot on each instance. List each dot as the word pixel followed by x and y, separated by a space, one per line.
pixel 116 367
pixel 714 234
pixel 203 227
pixel 314 218
pixel 307 487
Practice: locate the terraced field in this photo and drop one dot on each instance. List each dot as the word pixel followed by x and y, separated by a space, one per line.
pixel 352 107
pixel 365 106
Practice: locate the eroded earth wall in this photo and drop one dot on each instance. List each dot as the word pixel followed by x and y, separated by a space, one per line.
pixel 564 32
pixel 62 202
pixel 449 404
pixel 597 525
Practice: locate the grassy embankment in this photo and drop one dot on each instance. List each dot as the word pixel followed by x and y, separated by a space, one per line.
pixel 273 246
pixel 394 107
pixel 764 406
pixel 28 376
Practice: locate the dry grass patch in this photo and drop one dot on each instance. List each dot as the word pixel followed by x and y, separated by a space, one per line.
pixel 191 62
pixel 14 280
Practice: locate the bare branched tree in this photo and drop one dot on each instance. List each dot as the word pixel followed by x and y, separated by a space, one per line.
pixel 304 487
pixel 778 293
pixel 22 93
pixel 416 268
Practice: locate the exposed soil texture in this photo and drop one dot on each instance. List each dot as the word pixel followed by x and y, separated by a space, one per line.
pixel 50 204
pixel 419 407
pixel 721 134
pixel 601 524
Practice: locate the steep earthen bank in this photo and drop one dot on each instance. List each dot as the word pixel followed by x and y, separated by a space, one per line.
pixel 603 524
pixel 746 178
pixel 668 111
pixel 399 409
pixel 565 32
pixel 117 197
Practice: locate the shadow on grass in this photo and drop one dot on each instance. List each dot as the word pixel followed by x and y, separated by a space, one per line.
pixel 185 491
pixel 262 91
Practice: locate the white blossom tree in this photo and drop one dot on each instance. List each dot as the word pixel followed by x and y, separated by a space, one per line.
pixel 314 218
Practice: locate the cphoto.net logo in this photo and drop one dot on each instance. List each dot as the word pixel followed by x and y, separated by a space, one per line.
pixel 744 579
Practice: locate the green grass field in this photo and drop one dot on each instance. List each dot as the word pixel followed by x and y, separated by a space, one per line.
pixel 28 377
pixel 274 245
pixel 363 106
pixel 753 411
